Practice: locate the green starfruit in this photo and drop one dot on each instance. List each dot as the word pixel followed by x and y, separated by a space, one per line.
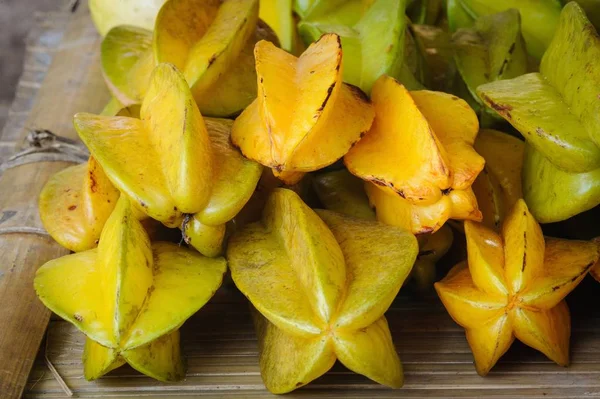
pixel 371 48
pixel 539 18
pixel 557 111
pixel 492 49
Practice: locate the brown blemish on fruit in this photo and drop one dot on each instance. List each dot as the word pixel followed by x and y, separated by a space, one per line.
pixel 93 184
pixel 72 207
pixel 78 317
pixel 329 91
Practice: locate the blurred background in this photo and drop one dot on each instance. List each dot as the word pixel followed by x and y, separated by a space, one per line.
pixel 16 19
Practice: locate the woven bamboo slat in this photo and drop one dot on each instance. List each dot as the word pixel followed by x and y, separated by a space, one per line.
pixel 219 342
pixel 221 351
pixel 73 83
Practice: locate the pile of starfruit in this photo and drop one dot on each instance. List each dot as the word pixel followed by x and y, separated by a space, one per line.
pixel 327 154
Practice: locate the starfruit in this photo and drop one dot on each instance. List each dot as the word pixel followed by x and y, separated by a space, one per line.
pixel 418 158
pixel 498 186
pixel 172 162
pixel 493 49
pixel 75 203
pixel 130 297
pixel 539 18
pixel 321 282
pixel 107 14
pixel 371 48
pixel 591 8
pixel 513 286
pixel 211 42
pixel 341 192
pixel 555 111
pixel 304 118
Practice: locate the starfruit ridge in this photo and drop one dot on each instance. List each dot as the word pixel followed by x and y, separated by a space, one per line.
pixel 305 117
pixel 565 92
pixel 127 294
pixel 206 177
pixel 419 171
pixel 513 286
pixel 308 275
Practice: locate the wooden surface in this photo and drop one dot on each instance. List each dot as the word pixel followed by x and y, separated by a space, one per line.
pixel 219 342
pixel 73 83
pixel 221 351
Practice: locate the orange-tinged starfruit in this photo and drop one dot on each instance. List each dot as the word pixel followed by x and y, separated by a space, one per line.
pixel 513 286
pixel 130 297
pixel 305 117
pixel 418 157
pixel 321 282
pixel 75 203
pixel 498 186
pixel 210 41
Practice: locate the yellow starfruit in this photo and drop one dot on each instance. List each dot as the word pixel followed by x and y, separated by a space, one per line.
pixel 513 286
pixel 173 162
pixel 75 203
pixel 342 192
pixel 321 282
pixel 163 161
pixel 305 117
pixel 418 157
pixel 498 187
pixel 210 41
pixel 130 297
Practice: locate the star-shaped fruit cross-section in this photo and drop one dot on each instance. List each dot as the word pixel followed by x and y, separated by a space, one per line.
pixel 513 286
pixel 321 282
pixel 172 161
pixel 130 297
pixel 305 117
pixel 418 157
pixel 210 41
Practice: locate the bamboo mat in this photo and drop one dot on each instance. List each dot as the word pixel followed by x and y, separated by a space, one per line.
pixel 221 348
pixel 221 352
